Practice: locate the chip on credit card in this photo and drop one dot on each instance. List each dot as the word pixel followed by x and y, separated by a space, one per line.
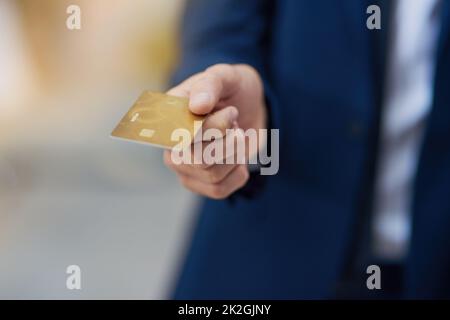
pixel 154 117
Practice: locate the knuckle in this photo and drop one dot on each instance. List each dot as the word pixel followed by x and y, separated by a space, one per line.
pixel 212 77
pixel 213 176
pixel 223 69
pixel 213 81
pixel 220 67
pixel 207 78
pixel 218 192
pixel 200 80
pixel 248 68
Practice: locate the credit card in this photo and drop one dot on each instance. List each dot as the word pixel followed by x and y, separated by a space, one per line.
pixel 154 117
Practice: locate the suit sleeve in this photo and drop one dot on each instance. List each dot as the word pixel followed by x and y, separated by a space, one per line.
pixel 229 31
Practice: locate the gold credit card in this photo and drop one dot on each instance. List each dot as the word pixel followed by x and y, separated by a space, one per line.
pixel 154 117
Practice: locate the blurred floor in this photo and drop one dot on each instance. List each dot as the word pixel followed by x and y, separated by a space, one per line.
pixel 83 198
pixel 69 194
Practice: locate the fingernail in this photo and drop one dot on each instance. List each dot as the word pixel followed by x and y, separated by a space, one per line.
pixel 200 99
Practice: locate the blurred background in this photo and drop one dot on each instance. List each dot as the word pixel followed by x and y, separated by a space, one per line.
pixel 68 193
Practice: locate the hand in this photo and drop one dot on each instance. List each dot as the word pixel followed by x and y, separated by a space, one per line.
pixel 231 96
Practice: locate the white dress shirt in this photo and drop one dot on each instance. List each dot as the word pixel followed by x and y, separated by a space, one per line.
pixel 407 102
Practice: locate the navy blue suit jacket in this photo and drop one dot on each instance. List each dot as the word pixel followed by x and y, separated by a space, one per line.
pixel 323 72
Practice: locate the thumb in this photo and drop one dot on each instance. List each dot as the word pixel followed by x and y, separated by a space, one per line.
pixel 216 83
